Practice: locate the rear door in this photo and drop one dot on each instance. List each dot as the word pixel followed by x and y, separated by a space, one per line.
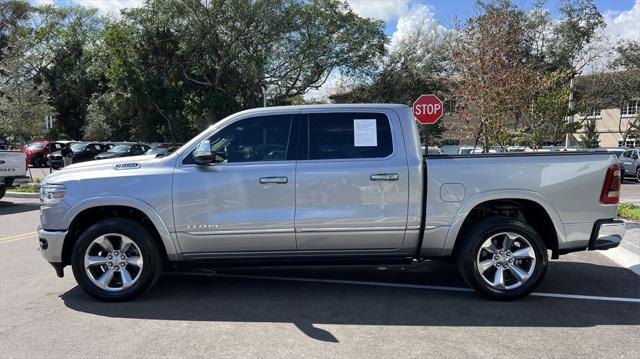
pixel 351 182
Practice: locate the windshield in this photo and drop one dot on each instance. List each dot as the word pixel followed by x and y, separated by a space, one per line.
pixel 36 146
pixel 78 147
pixel 120 149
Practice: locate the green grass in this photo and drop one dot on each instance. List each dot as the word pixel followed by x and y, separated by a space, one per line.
pixel 629 211
pixel 25 189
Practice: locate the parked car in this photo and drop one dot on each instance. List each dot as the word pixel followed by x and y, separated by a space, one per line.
pixel 38 151
pixel 163 149
pixel 13 164
pixel 618 151
pixel 325 184
pixel 82 151
pixel 630 163
pixel 124 150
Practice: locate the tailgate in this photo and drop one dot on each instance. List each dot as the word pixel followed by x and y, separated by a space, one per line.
pixel 12 164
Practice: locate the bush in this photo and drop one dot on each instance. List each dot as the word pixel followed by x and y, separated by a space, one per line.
pixel 629 211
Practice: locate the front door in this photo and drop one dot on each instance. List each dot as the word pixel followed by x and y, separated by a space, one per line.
pixel 245 202
pixel 352 184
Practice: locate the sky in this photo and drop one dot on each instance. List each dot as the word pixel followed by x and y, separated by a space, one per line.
pixel 622 16
pixel 400 16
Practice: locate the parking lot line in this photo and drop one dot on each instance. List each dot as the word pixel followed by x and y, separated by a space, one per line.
pixel 419 286
pixel 17 237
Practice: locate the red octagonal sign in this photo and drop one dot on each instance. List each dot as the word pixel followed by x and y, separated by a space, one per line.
pixel 428 109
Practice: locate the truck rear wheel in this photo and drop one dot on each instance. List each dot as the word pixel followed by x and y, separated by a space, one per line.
pixel 115 260
pixel 503 258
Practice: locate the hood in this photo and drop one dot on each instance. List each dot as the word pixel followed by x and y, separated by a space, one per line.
pixel 102 168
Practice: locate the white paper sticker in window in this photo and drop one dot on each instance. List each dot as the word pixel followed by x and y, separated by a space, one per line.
pixel 365 133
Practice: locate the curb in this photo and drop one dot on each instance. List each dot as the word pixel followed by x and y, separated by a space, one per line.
pixel 21 195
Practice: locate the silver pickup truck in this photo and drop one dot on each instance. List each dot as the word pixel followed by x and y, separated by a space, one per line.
pixel 325 184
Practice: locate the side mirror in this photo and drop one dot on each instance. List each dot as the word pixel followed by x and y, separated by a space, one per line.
pixel 203 154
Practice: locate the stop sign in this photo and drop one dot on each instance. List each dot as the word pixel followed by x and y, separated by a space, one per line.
pixel 428 109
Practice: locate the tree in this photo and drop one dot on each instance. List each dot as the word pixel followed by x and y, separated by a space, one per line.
pixel 181 65
pixel 590 137
pixel 414 66
pixel 628 55
pixel 23 103
pixel 494 82
pixel 514 69
pixel 97 127
pixel 24 98
pixel 72 53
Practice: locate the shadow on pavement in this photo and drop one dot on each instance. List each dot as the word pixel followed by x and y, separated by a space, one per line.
pixel 8 207
pixel 218 299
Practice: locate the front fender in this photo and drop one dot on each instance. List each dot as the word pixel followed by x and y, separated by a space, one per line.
pixel 471 202
pixel 169 242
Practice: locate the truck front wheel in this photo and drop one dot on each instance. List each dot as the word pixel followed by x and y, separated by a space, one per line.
pixel 116 259
pixel 503 258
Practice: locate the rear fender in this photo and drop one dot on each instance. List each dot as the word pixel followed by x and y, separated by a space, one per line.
pixel 482 197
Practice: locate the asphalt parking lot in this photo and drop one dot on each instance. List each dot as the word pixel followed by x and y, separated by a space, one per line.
pixel 587 306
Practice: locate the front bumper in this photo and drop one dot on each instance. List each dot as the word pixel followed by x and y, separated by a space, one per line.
pixel 606 234
pixel 50 246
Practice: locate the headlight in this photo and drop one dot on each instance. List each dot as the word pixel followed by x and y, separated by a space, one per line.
pixel 52 194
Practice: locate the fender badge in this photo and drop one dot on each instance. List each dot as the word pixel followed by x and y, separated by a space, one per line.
pixel 126 166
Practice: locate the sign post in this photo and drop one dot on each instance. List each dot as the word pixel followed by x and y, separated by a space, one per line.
pixel 48 124
pixel 427 110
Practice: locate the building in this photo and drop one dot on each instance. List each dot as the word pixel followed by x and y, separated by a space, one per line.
pixel 612 123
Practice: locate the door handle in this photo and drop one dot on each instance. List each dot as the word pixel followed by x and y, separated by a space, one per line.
pixel 385 177
pixel 274 180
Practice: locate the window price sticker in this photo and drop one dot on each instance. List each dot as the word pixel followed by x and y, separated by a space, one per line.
pixel 365 133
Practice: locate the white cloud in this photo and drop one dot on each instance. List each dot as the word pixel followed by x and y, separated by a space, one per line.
pixel 623 24
pixel 419 16
pixel 380 9
pixel 110 7
pixel 44 2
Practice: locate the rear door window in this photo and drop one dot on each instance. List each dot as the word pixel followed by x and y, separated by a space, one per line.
pixel 349 135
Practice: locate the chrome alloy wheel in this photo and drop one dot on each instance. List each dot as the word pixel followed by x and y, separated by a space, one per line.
pixel 113 262
pixel 506 260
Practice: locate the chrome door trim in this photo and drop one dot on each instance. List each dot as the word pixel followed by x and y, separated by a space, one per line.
pixel 350 229
pixel 246 231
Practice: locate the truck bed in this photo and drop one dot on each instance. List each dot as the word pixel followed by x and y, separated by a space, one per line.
pixel 566 184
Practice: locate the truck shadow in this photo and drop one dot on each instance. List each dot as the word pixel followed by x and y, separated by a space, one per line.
pixel 8 207
pixel 305 304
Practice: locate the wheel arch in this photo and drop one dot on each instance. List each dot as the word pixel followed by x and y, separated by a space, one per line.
pixel 535 209
pixel 89 211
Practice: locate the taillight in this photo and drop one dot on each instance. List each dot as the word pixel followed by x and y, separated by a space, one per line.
pixel 611 188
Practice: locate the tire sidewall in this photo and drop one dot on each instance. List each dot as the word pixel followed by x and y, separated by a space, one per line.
pixel 487 229
pixel 140 236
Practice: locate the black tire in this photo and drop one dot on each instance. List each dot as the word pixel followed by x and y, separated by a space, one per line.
pixel 149 251
pixel 638 174
pixel 474 238
pixel 3 190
